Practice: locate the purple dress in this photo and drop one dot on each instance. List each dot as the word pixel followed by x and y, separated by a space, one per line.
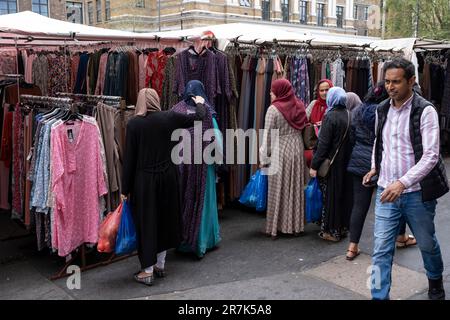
pixel 193 183
pixel 191 66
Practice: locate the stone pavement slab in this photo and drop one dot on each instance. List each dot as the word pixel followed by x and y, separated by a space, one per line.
pixel 20 281
pixel 354 276
pixel 287 286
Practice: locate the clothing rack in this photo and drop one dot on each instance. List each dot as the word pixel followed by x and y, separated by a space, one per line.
pixel 67 100
pixel 45 99
pixel 295 48
pixel 84 266
pixel 115 100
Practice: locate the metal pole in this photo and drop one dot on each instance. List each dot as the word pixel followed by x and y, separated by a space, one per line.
pixel 181 20
pixel 159 15
pixel 416 31
pixel 383 19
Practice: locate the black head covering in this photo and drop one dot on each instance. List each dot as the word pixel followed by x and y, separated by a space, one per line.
pixel 194 88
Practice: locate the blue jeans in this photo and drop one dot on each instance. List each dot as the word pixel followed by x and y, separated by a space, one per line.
pixel 420 218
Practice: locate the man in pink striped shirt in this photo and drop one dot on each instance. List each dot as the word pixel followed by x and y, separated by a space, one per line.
pixel 411 177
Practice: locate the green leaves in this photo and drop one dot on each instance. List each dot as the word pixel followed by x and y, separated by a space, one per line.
pixel 434 18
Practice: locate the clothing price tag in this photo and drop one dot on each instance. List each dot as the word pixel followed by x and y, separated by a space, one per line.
pixel 30 154
pixel 70 135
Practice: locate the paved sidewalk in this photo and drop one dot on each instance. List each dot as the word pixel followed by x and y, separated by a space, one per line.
pixel 247 265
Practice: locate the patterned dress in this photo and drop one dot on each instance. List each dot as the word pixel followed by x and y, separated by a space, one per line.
pixel 193 185
pixel 285 200
pixel 77 184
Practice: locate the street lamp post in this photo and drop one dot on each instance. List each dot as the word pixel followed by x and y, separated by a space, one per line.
pixel 181 20
pixel 416 29
pixel 383 19
pixel 159 15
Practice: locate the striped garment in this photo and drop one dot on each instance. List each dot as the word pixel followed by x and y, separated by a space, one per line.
pixel 398 162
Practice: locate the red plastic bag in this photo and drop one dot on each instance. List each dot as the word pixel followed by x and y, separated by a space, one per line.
pixel 108 231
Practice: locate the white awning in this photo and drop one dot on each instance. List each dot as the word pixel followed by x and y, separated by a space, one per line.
pixel 30 24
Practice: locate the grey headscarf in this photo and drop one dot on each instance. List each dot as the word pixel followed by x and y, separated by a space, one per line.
pixel 353 101
pixel 336 98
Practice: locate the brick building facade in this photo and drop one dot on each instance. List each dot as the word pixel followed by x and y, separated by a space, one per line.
pixel 341 16
pixel 55 9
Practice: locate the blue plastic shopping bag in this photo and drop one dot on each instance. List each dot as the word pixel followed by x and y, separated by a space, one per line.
pixel 313 199
pixel 255 193
pixel 126 237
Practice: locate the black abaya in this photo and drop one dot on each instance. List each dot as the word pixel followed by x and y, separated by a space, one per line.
pixel 151 179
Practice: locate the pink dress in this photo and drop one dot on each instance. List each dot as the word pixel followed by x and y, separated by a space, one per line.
pixel 77 184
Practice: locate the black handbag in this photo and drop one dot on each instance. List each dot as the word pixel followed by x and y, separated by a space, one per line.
pixel 325 166
pixel 309 136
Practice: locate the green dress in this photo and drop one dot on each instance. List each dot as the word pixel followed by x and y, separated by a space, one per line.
pixel 209 233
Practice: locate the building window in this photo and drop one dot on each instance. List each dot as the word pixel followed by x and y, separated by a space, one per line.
pixel 74 12
pixel 107 10
pixel 244 3
pixel 8 6
pixel 366 13
pixel 320 14
pixel 90 13
pixel 99 10
pixel 265 7
pixel 303 9
pixel 40 6
pixel 355 12
pixel 140 4
pixel 340 16
pixel 285 10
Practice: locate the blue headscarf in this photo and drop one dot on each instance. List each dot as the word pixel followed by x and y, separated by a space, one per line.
pixel 336 98
pixel 194 88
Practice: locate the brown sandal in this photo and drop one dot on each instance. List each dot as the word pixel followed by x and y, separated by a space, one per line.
pixel 353 256
pixel 327 236
pixel 410 241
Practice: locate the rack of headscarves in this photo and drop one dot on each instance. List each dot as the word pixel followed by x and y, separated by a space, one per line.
pixel 256 65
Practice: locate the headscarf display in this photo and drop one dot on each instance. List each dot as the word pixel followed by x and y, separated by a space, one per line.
pixel 147 101
pixel 292 109
pixel 336 98
pixel 320 107
pixel 353 101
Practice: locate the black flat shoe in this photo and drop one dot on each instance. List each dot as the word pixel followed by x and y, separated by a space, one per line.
pixel 159 273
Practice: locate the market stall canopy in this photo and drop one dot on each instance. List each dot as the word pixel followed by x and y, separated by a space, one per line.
pixel 262 33
pixel 36 26
pixel 245 31
pixel 426 44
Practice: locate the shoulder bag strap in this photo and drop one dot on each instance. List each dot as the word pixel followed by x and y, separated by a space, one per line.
pixel 343 138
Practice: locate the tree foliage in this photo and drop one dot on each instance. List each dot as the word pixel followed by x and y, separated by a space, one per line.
pixel 434 18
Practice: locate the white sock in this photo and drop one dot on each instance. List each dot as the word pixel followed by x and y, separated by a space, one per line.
pixel 149 270
pixel 161 260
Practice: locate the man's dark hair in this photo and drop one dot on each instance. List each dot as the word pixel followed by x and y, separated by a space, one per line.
pixel 401 63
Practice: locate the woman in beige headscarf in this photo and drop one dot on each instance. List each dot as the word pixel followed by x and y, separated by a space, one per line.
pixel 148 101
pixel 150 180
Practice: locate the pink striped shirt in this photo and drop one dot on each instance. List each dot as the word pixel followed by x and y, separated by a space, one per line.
pixel 398 162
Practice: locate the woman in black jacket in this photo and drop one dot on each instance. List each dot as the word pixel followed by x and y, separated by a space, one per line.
pixel 336 186
pixel 362 137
